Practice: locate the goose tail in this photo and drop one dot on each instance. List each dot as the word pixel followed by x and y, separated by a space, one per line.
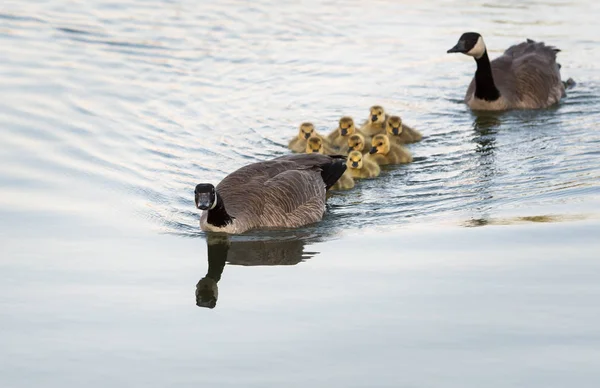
pixel 333 170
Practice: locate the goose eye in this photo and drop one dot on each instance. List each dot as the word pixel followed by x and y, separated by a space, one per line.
pixel 380 144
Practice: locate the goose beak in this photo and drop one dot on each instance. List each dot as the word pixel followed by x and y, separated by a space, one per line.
pixel 354 164
pixel 374 118
pixel 306 135
pixel 395 131
pixel 373 150
pixel 350 149
pixel 459 48
pixel 203 201
pixel 344 131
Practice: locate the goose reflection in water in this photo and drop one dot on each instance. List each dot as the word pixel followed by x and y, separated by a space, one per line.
pixel 246 251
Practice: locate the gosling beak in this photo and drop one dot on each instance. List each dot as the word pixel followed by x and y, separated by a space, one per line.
pixel 306 135
pixel 396 131
pixel 315 151
pixel 373 150
pixel 459 48
pixel 355 164
pixel 374 118
pixel 344 131
pixel 350 149
pixel 203 201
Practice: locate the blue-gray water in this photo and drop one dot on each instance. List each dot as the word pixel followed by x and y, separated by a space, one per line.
pixel 112 112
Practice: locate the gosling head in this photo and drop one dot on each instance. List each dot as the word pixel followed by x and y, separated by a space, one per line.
pixel 471 44
pixel 355 160
pixel 376 114
pixel 394 126
pixel 205 196
pixel 356 142
pixel 380 144
pixel 346 126
pixel 306 131
pixel 314 145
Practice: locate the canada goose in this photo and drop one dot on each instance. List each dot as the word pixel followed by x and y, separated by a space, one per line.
pixel 526 76
pixel 316 144
pixel 285 192
pixel 298 143
pixel 401 133
pixel 357 142
pixel 338 138
pixel 360 166
pixel 384 152
pixel 375 124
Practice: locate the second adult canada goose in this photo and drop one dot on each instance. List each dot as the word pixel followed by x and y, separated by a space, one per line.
pixel 285 192
pixel 526 76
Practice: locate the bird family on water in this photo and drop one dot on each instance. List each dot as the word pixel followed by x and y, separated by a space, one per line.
pixel 290 191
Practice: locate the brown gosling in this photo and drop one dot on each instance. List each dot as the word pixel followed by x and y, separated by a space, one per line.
pixel 385 152
pixel 375 124
pixel 316 144
pixel 338 138
pixel 298 143
pixel 400 133
pixel 361 166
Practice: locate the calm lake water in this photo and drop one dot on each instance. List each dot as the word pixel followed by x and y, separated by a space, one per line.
pixel 476 265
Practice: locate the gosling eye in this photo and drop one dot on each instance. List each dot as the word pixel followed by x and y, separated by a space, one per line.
pixel 380 144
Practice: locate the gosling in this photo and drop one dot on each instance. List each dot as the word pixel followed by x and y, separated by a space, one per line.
pixel 361 166
pixel 384 152
pixel 400 133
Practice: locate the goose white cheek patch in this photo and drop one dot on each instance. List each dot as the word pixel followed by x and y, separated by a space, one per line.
pixel 477 50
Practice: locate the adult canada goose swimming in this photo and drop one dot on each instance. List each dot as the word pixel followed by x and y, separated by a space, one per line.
pixel 401 133
pixel 526 76
pixel 375 124
pixel 298 143
pixel 361 166
pixel 384 152
pixel 285 192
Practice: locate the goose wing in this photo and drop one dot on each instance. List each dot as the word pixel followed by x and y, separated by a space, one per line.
pixel 528 73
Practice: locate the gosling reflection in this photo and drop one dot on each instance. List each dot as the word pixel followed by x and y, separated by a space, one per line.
pixel 231 249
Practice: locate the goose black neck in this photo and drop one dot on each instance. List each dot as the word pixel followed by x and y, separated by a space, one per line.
pixel 217 255
pixel 485 89
pixel 218 215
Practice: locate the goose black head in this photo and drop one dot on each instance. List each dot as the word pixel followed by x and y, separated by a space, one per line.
pixel 205 196
pixel 471 44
